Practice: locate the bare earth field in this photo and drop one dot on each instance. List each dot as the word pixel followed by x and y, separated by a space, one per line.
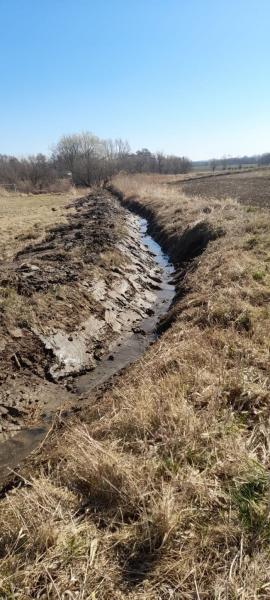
pixel 159 489
pixel 251 188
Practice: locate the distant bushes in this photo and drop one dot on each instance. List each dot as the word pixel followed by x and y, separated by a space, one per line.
pixel 83 159
pixel 32 174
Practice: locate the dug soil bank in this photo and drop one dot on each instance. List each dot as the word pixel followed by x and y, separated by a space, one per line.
pixel 68 299
pixel 163 491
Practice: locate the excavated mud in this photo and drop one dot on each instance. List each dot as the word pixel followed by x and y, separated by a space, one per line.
pixel 94 289
pixel 122 299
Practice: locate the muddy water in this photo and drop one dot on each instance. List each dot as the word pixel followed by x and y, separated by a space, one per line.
pixel 123 352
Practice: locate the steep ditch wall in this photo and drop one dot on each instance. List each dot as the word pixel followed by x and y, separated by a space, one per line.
pixel 181 247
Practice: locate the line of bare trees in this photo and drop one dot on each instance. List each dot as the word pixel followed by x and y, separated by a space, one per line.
pixel 34 173
pixel 89 159
pixel 234 162
pixel 84 159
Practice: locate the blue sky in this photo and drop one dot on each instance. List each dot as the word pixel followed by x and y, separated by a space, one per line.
pixel 183 76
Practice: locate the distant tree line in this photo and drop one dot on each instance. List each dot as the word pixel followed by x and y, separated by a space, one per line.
pixel 90 159
pixel 228 162
pixel 29 174
pixel 84 159
pixel 264 159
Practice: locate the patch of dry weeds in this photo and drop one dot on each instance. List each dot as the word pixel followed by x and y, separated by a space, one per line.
pixel 26 217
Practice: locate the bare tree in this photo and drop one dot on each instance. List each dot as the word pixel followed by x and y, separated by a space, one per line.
pixel 213 164
pixel 67 150
pixel 122 148
pixel 160 161
pixel 224 162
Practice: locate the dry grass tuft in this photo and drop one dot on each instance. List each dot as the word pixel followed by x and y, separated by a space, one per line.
pixel 103 477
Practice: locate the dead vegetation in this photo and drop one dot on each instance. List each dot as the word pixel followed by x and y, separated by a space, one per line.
pixel 164 493
pixel 25 218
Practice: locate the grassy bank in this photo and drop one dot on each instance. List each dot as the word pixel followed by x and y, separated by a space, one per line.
pixel 163 491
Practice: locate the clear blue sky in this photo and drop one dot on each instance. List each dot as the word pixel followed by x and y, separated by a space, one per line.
pixel 183 76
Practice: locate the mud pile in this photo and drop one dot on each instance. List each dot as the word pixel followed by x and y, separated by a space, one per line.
pixel 76 293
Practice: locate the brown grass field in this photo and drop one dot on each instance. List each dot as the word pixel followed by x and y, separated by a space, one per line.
pixel 163 491
pixel 26 217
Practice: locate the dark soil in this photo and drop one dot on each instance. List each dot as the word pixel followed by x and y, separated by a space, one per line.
pixel 252 188
pixel 90 230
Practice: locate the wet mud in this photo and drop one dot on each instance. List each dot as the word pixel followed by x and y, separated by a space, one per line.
pixel 121 285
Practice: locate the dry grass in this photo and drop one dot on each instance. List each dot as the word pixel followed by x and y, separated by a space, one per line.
pixel 26 217
pixel 165 493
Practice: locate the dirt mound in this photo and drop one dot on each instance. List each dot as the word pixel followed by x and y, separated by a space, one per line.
pixel 67 298
pixel 68 248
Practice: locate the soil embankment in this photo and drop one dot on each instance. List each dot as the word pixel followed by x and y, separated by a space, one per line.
pixel 182 246
pixel 70 300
